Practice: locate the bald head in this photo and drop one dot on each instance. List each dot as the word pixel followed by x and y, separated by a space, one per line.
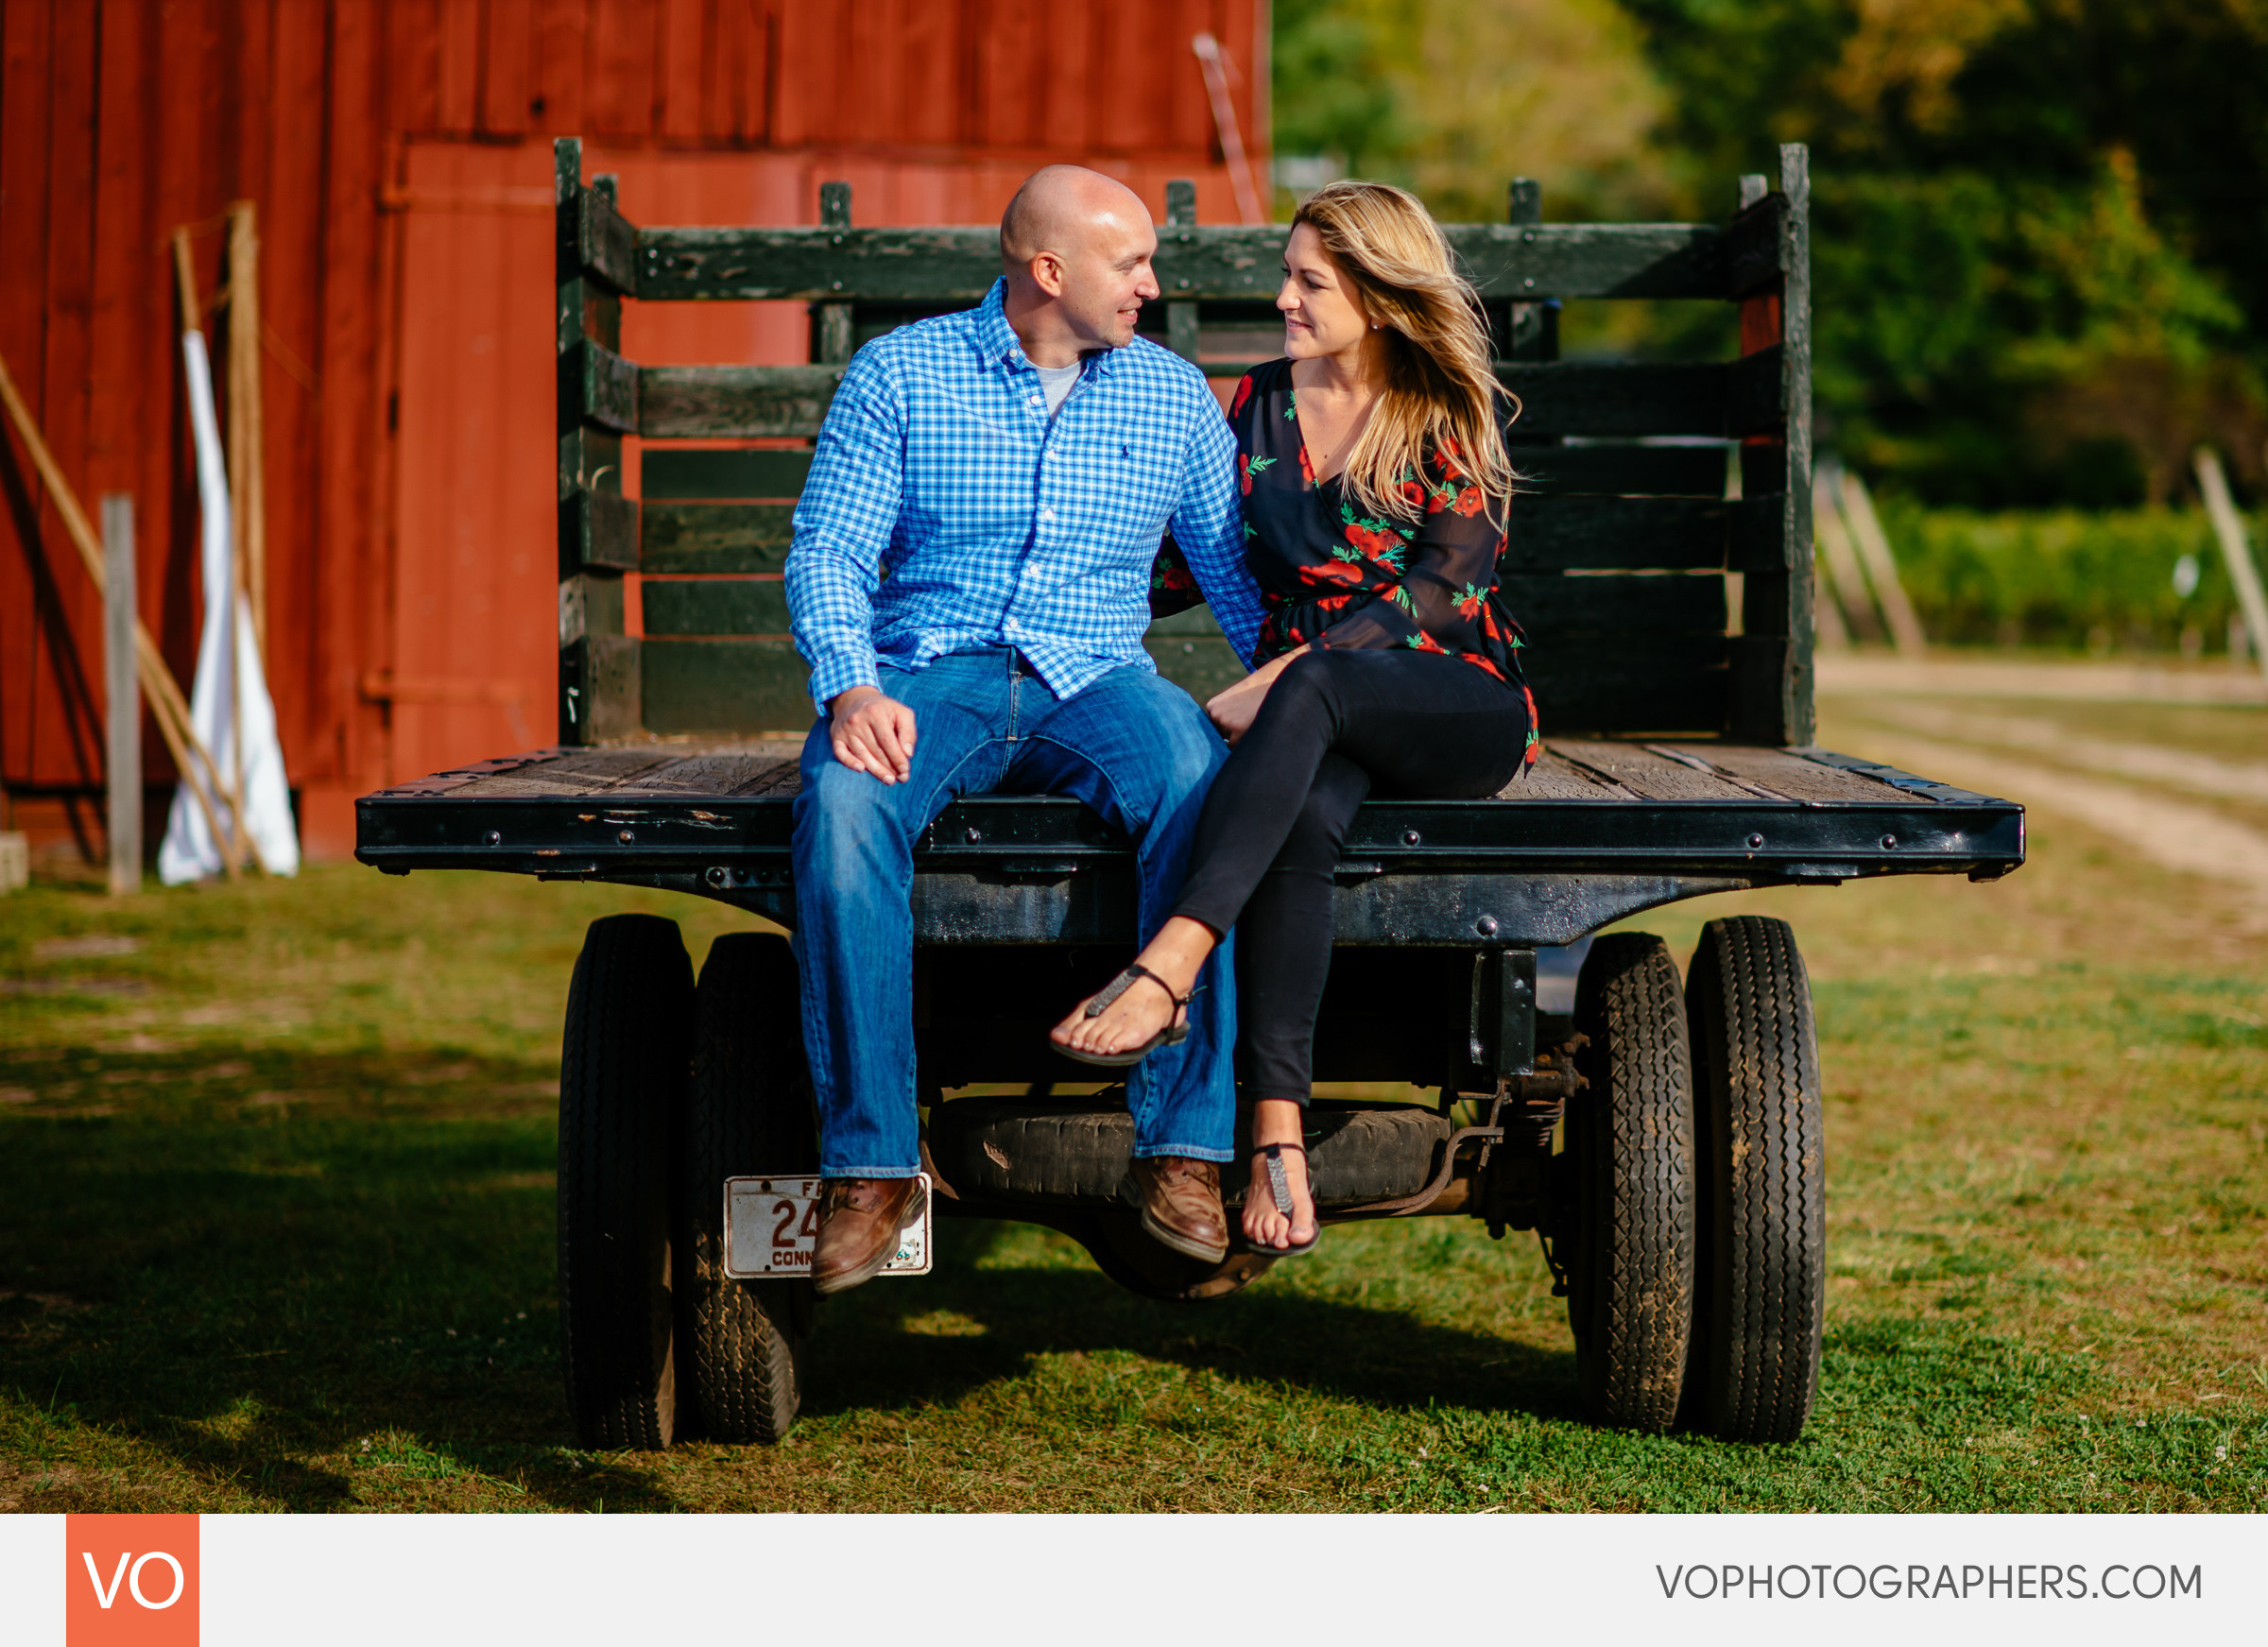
pixel 1059 207
pixel 1077 247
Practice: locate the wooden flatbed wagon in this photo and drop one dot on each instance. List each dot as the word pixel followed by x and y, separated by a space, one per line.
pixel 1664 1139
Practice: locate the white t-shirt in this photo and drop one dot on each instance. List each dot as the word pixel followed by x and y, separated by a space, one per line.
pixel 1055 382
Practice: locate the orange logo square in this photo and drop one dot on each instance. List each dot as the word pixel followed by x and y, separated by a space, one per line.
pixel 130 1581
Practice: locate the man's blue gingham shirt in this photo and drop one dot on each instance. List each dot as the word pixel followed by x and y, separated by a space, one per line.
pixel 945 510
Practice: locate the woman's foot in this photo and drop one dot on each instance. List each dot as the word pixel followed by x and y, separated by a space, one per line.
pixel 1277 1121
pixel 1150 1005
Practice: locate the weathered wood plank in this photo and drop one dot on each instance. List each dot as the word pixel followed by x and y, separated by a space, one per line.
pixel 609 388
pixel 1789 774
pixel 716 537
pixel 1696 471
pixel 1623 608
pixel 598 688
pixel 736 686
pixel 1578 397
pixel 609 243
pixel 1753 250
pixel 727 774
pixel 1643 773
pixel 1550 778
pixel 1604 534
pixel 715 607
pixel 734 401
pixel 598 529
pixel 1558 398
pixel 709 473
pixel 1216 262
pixel 1671 684
pixel 1772 668
pixel 585 772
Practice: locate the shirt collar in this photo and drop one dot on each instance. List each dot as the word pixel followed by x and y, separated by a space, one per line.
pixel 996 339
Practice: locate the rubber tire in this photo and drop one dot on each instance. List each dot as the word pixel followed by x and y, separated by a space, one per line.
pixel 1762 1300
pixel 749 1115
pixel 622 1093
pixel 1630 1151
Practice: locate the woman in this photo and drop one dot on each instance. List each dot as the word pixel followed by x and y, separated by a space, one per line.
pixel 1375 482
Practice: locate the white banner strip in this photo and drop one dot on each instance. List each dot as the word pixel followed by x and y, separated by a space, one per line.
pixel 343 1580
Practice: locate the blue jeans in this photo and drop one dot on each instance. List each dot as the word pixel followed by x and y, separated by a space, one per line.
pixel 1134 747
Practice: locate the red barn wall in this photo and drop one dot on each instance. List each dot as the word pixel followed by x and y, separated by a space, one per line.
pixel 398 152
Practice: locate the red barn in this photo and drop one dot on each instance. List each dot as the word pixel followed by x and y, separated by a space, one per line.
pixel 397 152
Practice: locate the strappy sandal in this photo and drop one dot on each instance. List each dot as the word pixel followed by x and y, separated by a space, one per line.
pixel 1173 1035
pixel 1279 1187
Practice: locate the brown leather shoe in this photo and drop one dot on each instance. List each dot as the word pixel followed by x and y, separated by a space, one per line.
pixel 1181 1205
pixel 860 1220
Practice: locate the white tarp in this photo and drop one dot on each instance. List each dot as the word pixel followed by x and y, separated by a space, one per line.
pixel 190 850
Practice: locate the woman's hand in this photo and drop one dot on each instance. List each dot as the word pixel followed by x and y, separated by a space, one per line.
pixel 1234 710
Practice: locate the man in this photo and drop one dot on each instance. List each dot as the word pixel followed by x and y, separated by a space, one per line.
pixel 970 584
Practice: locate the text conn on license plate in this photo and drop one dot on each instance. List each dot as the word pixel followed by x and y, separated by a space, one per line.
pixel 771 1226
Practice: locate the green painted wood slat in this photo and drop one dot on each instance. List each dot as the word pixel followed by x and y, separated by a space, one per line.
pixel 1558 398
pixel 1217 262
pixel 716 537
pixel 1629 608
pixel 718 606
pixel 1696 471
pixel 710 473
pixel 598 529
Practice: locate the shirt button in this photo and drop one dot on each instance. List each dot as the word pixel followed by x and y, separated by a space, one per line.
pixel 1047 514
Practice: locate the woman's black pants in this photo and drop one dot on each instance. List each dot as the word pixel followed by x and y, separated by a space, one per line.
pixel 1334 727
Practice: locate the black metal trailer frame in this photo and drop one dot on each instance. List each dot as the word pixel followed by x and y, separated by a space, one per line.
pixel 1665 1140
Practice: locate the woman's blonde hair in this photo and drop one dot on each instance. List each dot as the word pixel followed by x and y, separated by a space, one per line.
pixel 1440 391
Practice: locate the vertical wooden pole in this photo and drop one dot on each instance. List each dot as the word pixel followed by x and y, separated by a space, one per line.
pixel 600 684
pixel 1846 579
pixel 1532 329
pixel 122 766
pixel 831 346
pixel 1770 697
pixel 1182 319
pixel 232 845
pixel 2229 527
pixel 1882 568
pixel 246 419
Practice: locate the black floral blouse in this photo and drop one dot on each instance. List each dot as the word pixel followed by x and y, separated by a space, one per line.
pixel 1333 577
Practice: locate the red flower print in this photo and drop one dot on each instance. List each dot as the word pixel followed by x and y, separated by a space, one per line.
pixel 1451 469
pixel 1331 603
pixel 1468 501
pixel 1307 470
pixel 1471 601
pixel 1411 493
pixel 1372 540
pixel 1251 466
pixel 1243 393
pixel 1333 572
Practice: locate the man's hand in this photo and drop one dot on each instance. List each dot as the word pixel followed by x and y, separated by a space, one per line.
pixel 872 733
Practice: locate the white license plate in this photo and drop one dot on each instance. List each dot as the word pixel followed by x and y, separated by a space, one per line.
pixel 771 1226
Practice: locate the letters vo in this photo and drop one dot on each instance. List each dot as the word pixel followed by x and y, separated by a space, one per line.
pixel 130 1581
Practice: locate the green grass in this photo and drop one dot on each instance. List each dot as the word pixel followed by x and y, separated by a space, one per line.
pixel 276 1233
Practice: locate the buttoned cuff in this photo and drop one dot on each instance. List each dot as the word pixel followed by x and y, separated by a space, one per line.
pixel 837 673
